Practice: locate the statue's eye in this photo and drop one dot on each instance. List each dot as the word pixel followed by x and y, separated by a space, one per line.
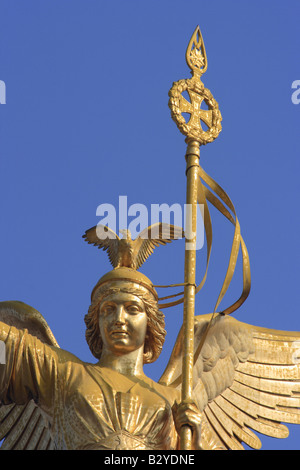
pixel 133 309
pixel 107 309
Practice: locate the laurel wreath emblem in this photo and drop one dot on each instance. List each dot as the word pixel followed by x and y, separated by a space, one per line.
pixel 191 131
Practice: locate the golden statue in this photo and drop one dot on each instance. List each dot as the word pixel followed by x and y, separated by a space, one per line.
pixel 225 379
pixel 245 378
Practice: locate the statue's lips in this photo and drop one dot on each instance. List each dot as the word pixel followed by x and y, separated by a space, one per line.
pixel 119 333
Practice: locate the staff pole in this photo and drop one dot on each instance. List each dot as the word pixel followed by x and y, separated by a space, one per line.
pixel 195 136
pixel 192 175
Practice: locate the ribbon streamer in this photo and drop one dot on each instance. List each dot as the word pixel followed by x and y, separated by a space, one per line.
pixel 224 205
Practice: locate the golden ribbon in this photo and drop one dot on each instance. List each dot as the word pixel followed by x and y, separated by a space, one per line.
pixel 221 201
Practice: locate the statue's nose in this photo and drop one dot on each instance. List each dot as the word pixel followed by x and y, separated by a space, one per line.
pixel 120 314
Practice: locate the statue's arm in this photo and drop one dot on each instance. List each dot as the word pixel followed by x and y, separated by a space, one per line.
pixel 29 370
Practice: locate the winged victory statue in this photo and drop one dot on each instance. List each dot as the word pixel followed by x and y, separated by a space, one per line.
pixel 243 379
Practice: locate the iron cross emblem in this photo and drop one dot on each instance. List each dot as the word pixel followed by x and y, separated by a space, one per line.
pixel 194 109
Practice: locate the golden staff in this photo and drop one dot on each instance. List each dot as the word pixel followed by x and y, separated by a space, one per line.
pixel 195 136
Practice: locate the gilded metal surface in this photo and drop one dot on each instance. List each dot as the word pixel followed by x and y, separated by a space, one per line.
pixel 211 117
pixel 192 172
pixel 224 380
pixel 69 404
pixel 127 252
pixel 245 379
pixel 196 135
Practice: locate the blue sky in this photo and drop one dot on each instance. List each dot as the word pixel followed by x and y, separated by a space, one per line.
pixel 86 120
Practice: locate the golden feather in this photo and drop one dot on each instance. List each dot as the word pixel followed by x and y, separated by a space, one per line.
pixel 246 379
pixel 132 253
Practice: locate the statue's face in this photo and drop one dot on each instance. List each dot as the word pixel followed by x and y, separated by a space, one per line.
pixel 122 323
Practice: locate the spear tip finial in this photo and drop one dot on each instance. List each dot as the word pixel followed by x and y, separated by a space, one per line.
pixel 196 55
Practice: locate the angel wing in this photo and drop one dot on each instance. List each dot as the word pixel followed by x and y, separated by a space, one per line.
pixel 25 427
pixel 246 379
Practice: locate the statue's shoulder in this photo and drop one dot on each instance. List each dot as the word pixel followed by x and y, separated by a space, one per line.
pixel 171 394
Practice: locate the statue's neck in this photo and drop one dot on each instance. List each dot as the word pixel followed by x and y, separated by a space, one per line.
pixel 130 364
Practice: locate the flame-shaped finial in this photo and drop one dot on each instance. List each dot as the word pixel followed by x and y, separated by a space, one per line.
pixel 196 55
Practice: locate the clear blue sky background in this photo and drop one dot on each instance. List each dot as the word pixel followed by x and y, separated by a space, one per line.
pixel 87 120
